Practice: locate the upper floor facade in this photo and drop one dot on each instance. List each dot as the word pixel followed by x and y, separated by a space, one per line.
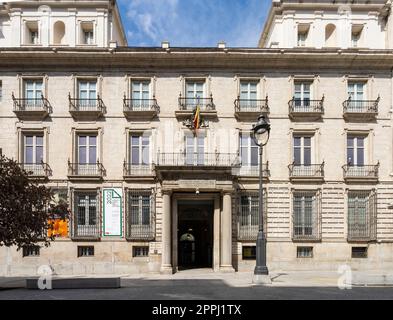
pixel 328 24
pixel 35 23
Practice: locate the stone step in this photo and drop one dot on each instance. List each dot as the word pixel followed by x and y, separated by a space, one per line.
pixel 75 283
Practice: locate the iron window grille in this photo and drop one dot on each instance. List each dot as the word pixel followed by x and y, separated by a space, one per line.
pixel 248 215
pixel 362 210
pixel 31 251
pixel 304 252
pixel 306 215
pixel 140 215
pixel 85 251
pixel 86 218
pixel 140 251
pixel 359 252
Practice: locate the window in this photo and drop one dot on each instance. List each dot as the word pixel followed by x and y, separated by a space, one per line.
pixel 361 215
pixel 87 33
pixel 86 222
pixel 31 251
pixel 85 251
pixel 305 215
pixel 195 150
pixel 140 94
pixel 87 149
pixel 356 90
pixel 32 35
pixel 33 93
pixel 194 93
pixel 302 94
pixel 355 151
pixel 33 149
pixel 302 35
pixel 304 252
pixel 87 94
pixel 249 151
pixel 302 150
pixel 249 253
pixel 356 35
pixel 248 215
pixel 359 252
pixel 248 94
pixel 140 215
pixel 140 251
pixel 140 150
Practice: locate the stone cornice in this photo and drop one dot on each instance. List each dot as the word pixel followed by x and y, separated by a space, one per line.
pixel 231 59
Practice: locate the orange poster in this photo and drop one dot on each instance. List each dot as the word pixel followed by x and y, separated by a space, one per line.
pixel 60 228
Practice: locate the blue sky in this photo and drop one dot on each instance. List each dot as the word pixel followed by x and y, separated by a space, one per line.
pixel 193 23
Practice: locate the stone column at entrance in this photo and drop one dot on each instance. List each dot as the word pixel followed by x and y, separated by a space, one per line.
pixel 166 257
pixel 226 234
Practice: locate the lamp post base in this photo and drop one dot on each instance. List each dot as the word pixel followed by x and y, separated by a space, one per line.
pixel 261 279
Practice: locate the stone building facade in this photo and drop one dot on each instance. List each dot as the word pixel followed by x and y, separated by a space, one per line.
pixel 110 126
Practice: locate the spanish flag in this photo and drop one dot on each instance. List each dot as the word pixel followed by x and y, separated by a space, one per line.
pixel 197 118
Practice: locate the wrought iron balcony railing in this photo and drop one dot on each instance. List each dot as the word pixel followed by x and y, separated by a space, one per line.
pixel 198 159
pixel 190 104
pixel 369 107
pixel 306 106
pixel 36 169
pixel 140 232
pixel 307 231
pixel 306 171
pixel 31 104
pixel 361 172
pixel 253 170
pixel 140 105
pixel 86 105
pixel 130 169
pixel 87 231
pixel 86 169
pixel 250 105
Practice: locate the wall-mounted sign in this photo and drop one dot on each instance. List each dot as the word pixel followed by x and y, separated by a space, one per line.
pixel 112 212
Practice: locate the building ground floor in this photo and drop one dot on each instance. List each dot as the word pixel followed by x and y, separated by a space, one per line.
pixel 200 220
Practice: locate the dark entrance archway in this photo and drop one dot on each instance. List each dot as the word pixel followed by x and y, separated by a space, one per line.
pixel 195 234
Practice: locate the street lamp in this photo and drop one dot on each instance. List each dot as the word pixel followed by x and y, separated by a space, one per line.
pixel 260 135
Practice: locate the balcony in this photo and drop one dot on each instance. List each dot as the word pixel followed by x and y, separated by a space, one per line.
pixel 131 171
pixel 306 109
pixel 135 109
pixel 248 171
pixel 140 232
pixel 360 109
pixel 89 232
pixel 31 109
pixel 308 231
pixel 250 109
pixel 368 173
pixel 86 109
pixel 304 173
pixel 187 106
pixel 86 171
pixel 37 170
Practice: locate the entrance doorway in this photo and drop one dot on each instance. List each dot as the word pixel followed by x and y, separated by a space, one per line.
pixel 195 234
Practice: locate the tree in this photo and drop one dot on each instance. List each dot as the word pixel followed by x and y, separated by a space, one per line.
pixel 26 207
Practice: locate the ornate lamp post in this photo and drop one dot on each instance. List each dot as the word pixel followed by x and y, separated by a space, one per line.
pixel 260 135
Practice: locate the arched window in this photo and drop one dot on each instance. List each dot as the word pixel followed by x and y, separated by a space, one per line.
pixel 330 35
pixel 58 32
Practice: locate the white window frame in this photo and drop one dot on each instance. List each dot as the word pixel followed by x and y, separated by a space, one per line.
pixel 140 146
pixel 355 148
pixel 249 147
pixel 356 91
pixel 302 148
pixel 34 146
pixel 87 147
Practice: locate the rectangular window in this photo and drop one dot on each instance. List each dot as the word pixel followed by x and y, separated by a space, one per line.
pixel 248 215
pixel 33 93
pixel 86 221
pixel 194 93
pixel 140 251
pixel 249 150
pixel 305 215
pixel 356 90
pixel 140 94
pixel 87 94
pixel 31 251
pixel 249 253
pixel 140 150
pixel 361 215
pixel 356 151
pixel 302 150
pixel 302 35
pixel 304 252
pixel 359 252
pixel 85 251
pixel 248 94
pixel 33 149
pixel 140 215
pixel 302 94
pixel 87 149
pixel 195 150
pixel 87 33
